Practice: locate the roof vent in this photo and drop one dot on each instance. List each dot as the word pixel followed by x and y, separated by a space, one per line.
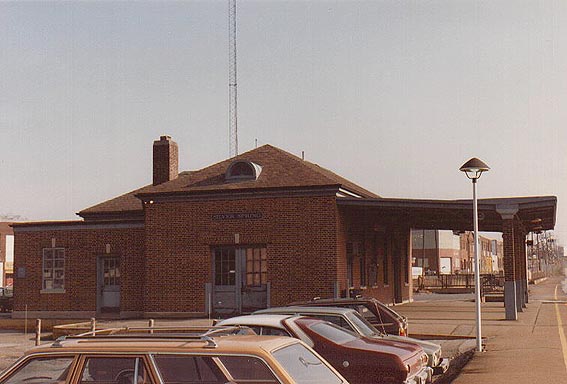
pixel 242 170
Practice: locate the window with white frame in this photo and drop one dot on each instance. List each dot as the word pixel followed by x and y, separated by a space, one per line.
pixel 53 268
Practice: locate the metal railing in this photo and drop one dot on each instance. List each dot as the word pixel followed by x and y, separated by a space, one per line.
pixel 464 281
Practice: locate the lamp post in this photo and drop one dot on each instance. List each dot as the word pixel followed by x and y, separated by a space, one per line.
pixel 474 169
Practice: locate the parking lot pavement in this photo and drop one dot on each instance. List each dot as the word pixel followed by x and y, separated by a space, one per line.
pixel 13 345
pixel 528 350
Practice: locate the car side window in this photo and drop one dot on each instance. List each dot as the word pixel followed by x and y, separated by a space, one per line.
pixel 114 370
pixel 182 369
pixel 269 331
pixel 42 370
pixel 248 369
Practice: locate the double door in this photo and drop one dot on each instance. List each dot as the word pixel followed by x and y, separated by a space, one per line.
pixel 240 279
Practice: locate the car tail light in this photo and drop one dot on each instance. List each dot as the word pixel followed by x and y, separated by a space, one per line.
pixel 403 332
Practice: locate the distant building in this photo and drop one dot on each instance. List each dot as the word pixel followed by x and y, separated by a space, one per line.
pixel 436 251
pixel 6 254
pixel 466 251
pixel 444 252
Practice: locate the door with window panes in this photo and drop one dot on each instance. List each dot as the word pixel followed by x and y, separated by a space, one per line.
pixel 240 279
pixel 109 284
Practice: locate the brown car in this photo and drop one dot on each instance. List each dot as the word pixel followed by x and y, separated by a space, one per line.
pixel 213 357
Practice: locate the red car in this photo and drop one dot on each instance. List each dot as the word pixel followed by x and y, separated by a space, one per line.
pixel 361 360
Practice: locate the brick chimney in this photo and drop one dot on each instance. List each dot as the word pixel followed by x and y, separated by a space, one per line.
pixel 166 160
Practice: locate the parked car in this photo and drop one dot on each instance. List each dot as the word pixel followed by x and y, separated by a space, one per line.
pixel 6 299
pixel 172 358
pixel 353 321
pixel 379 314
pixel 360 359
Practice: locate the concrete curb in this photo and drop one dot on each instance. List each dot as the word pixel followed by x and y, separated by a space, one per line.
pixel 457 364
pixel 538 281
pixel 423 336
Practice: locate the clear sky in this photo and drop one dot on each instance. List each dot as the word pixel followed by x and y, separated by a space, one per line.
pixel 394 95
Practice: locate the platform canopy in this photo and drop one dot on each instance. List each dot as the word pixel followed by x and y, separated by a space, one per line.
pixel 534 213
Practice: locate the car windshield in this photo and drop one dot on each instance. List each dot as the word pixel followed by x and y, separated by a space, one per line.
pixel 304 366
pixel 363 326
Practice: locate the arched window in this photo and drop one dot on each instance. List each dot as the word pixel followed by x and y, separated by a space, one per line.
pixel 242 170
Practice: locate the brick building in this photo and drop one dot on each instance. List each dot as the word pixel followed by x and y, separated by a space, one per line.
pixel 436 251
pixel 261 229
pixel 445 252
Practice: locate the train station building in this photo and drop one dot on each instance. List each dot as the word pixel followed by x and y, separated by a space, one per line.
pixel 262 229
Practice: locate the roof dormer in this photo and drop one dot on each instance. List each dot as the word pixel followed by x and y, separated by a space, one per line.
pixel 242 170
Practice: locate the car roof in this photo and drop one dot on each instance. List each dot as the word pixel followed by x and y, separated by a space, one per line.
pixel 226 344
pixel 264 320
pixel 301 310
pixel 341 300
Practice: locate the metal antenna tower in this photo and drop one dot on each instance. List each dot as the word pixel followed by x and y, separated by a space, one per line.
pixel 232 94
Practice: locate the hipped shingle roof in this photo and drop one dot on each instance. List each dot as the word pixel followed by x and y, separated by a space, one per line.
pixel 280 169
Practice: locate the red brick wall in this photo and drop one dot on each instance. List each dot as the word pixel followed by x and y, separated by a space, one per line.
pixel 81 250
pixel 509 259
pixel 166 265
pixel 377 238
pixel 431 255
pixel 341 261
pixel 300 234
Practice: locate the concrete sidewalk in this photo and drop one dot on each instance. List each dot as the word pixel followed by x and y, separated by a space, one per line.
pixel 528 350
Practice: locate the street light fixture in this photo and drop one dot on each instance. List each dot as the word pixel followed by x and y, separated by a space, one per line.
pixel 474 169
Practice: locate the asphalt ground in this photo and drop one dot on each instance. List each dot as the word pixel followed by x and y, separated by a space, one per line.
pixel 12 345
